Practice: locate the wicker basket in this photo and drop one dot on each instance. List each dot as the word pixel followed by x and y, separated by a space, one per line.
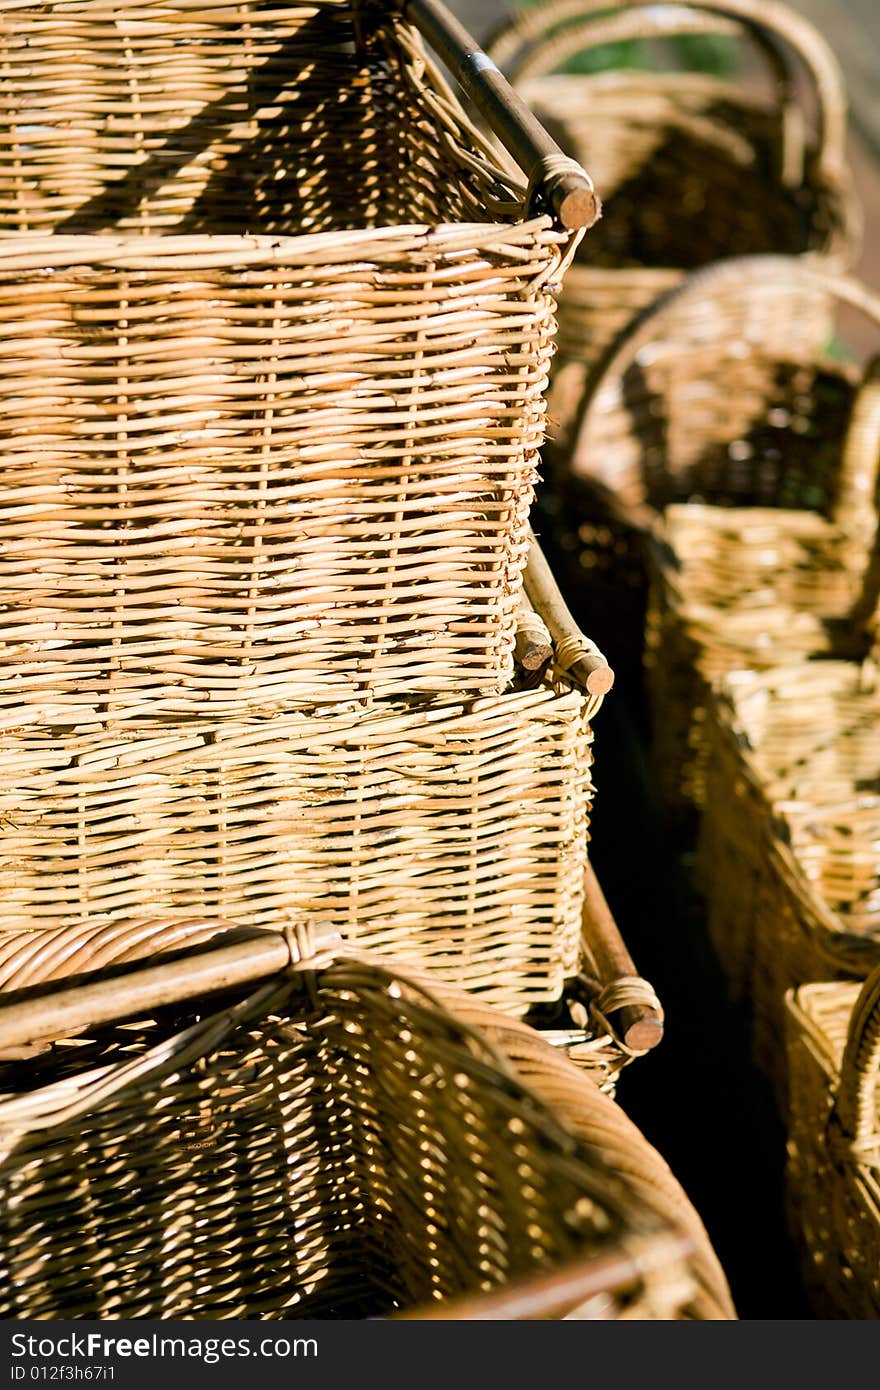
pixel 693 169
pixel 276 330
pixel 452 832
pixel 781 576
pixel 833 1191
pixel 336 1142
pixel 788 850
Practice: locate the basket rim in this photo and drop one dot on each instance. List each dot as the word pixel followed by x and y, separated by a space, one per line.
pixel 21 251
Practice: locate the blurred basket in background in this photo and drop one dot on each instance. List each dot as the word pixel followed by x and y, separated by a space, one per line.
pixel 337 1142
pixel 779 573
pixel 276 332
pixel 788 851
pixel 692 167
pixel 834 1130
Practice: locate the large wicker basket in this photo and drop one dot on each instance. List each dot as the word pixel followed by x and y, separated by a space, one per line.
pixel 276 330
pixel 779 573
pixel 336 1142
pixel 693 168
pixel 788 851
pixel 454 832
pixel 834 1130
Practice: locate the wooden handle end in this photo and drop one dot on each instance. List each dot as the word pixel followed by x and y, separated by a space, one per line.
pixel 578 207
pixel 643 1032
pixel 600 681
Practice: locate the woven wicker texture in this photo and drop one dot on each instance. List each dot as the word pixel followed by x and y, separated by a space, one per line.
pixel 273 389
pixel 742 168
pixel 692 168
pixel 833 1193
pixel 50 954
pixel 453 833
pixel 334 1144
pixel 693 404
pixel 756 585
pixel 788 852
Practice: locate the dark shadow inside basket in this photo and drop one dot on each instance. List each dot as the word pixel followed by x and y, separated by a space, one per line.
pixel 345 1151
pixel 260 122
pixel 701 184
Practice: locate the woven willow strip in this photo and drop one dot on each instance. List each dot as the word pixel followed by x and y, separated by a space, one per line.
pixel 452 833
pixel 273 388
pixel 788 853
pixel 336 1145
pixel 832 1186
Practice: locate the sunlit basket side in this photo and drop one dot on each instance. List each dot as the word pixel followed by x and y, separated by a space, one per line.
pixel 788 855
pixel 276 328
pixel 451 831
pixel 765 581
pixel 336 1142
pixel 832 1189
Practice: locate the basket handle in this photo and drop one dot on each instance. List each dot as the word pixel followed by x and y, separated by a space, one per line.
pixel 574 653
pixel 856 502
pixel 563 1292
pixel 534 646
pixel 556 181
pixel 639 1015
pixel 666 22
pixel 740 274
pixel 769 21
pixel 854 1115
pixel 73 1008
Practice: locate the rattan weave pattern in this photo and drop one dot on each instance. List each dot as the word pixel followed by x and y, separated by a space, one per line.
pixel 271 417
pixel 832 1189
pixel 339 1144
pixel 787 855
pixel 455 834
pixel 693 168
pixel 744 586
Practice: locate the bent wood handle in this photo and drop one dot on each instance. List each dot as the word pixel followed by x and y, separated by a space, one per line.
pixel 575 654
pixel 640 1025
pixel 563 1291
pixel 533 645
pixel 65 1012
pixel 855 1105
pixel 553 176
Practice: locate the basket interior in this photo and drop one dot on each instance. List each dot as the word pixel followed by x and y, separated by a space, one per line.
pixel 347 1149
pixel 740 427
pixel 673 153
pixel 245 118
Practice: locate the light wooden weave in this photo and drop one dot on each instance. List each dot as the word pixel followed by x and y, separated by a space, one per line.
pixel 275 332
pixel 335 1143
pixel 455 833
pixel 693 168
pixel 755 586
pixel 788 852
pixel 834 1126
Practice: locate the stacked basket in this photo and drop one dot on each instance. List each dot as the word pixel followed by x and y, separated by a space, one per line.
pixel 327 1137
pixel 283 660
pixel 267 476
